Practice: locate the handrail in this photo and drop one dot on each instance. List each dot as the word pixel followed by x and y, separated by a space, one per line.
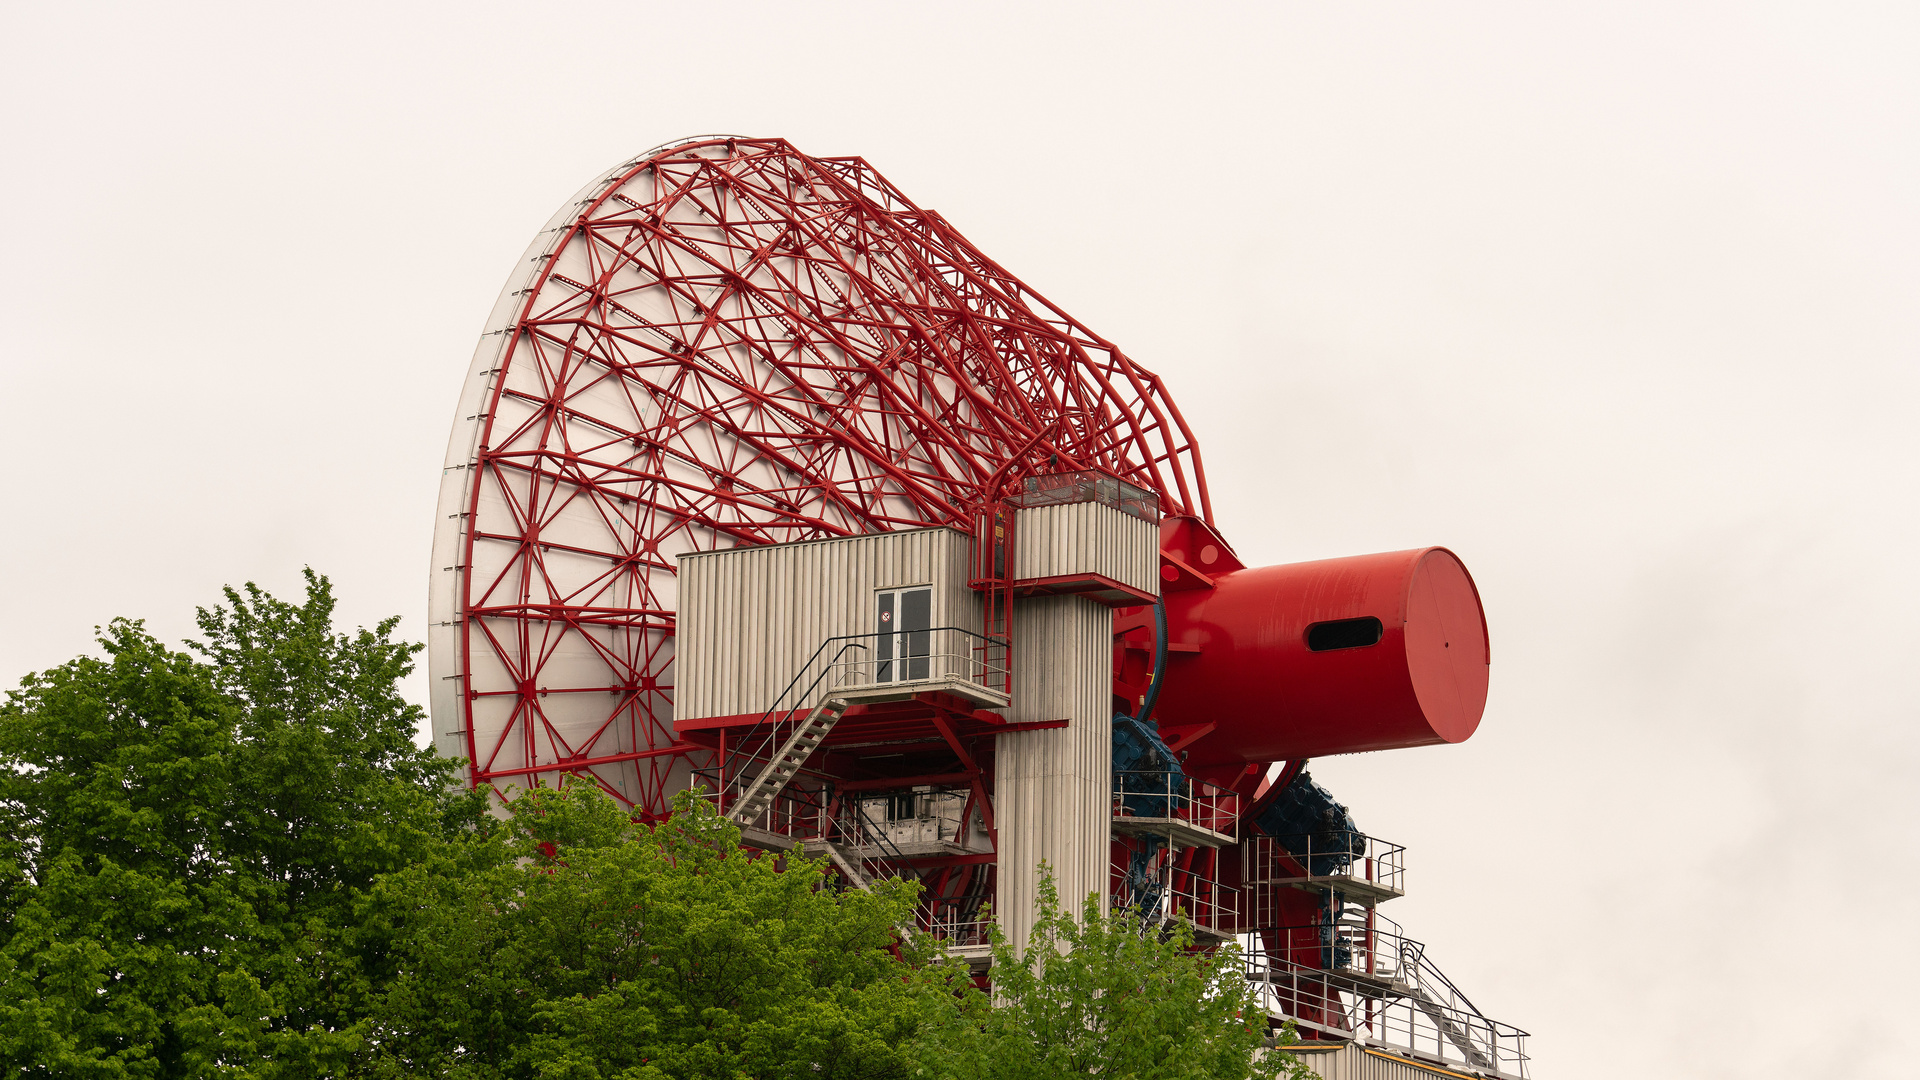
pixel 1339 853
pixel 792 804
pixel 891 854
pixel 953 930
pixel 850 828
pixel 727 773
pixel 1202 901
pixel 1189 893
pixel 788 705
pixel 1383 971
pixel 1425 968
pixel 1411 1021
pixel 1156 793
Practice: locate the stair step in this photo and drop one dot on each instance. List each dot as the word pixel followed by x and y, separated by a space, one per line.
pixel 789 758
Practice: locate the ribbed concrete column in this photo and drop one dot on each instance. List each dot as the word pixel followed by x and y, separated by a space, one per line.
pixel 1050 787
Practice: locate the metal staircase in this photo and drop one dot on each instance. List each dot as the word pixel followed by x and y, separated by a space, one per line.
pixel 786 761
pixel 1454 1032
pixel 849 868
pixel 1351 975
pixel 1443 1003
pixel 848 851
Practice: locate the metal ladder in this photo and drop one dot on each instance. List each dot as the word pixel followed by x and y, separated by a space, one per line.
pixel 787 760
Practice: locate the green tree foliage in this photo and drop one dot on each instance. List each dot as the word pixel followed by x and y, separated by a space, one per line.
pixel 1107 996
pixel 185 839
pixel 238 864
pixel 577 945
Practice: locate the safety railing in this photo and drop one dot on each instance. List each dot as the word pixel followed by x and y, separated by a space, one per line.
pixel 1207 904
pixel 1159 883
pixel 804 815
pixel 878 854
pixel 1345 941
pixel 1341 853
pixel 1345 861
pixel 798 813
pixel 1087 485
pixel 1174 796
pixel 791 706
pixel 957 922
pixel 863 662
pixel 926 822
pixel 938 654
pixel 1379 987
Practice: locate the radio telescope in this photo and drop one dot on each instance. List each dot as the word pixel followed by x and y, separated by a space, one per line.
pixel 724 342
pixel 726 347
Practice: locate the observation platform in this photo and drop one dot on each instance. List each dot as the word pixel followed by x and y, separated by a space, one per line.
pixel 886 719
pixel 957 686
pixel 1377 988
pixel 1177 808
pixel 1353 888
pixel 978 958
pixel 1361 868
pixel 1178 832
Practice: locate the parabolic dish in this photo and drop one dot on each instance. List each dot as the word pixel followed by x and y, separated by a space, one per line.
pixel 728 342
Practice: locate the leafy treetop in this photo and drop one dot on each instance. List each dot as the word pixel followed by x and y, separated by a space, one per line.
pixel 185 839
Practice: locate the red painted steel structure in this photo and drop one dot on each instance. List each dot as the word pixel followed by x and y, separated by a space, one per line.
pixel 728 342
pixel 1252 669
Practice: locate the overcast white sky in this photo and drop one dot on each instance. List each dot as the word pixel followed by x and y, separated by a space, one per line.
pixel 1618 301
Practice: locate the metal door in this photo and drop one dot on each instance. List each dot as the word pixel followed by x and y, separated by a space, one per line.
pixel 903 625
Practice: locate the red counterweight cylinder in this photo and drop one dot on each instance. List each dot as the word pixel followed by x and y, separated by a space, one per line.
pixel 1372 652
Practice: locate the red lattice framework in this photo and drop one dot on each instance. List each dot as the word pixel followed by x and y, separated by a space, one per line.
pixel 728 342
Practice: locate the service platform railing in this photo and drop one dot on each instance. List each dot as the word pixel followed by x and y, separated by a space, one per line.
pixel 799 814
pixel 1378 987
pixel 802 814
pixel 1211 907
pixel 1173 797
pixel 1364 868
pixel 747 754
pixel 1087 485
pixel 1166 886
pixel 862 663
pixel 933 821
pixel 939 654
pixel 957 922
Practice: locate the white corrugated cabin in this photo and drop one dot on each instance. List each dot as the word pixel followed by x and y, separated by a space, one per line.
pixel 868 617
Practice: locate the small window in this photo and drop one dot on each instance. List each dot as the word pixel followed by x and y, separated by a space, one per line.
pixel 1344 634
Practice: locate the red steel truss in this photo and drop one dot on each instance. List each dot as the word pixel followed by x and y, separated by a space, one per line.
pixel 729 342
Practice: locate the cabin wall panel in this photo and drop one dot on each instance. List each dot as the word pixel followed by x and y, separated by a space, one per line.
pixel 751 617
pixel 1086 538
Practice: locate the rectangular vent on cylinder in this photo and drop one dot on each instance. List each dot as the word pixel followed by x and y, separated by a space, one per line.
pixel 1344 634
